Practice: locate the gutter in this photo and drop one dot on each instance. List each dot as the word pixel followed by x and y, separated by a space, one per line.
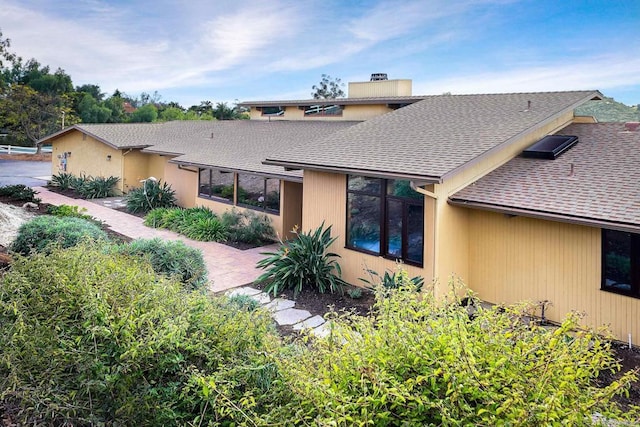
pixel 571 219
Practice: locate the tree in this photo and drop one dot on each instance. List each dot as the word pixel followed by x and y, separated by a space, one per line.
pixel 224 112
pixel 93 90
pixel 146 114
pixel 328 88
pixel 171 113
pixel 91 111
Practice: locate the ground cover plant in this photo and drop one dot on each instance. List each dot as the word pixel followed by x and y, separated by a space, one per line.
pixel 152 195
pixel 44 232
pixel 86 186
pixel 304 261
pixel 19 193
pixel 92 337
pixel 419 360
pixel 70 211
pixel 171 258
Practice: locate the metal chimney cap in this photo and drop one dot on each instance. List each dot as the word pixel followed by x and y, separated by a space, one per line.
pixel 378 76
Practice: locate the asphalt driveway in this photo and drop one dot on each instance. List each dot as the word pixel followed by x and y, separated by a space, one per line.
pixel 31 174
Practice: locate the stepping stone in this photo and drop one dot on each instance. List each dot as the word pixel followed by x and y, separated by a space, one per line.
pixel 290 316
pixel 246 290
pixel 310 323
pixel 280 304
pixel 321 331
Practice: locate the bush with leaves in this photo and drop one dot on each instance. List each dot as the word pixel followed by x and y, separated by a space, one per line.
pixel 152 194
pixel 424 361
pixel 248 227
pixel 391 279
pixel 63 180
pixel 70 211
pixel 171 258
pixel 44 232
pixel 98 187
pixel 91 337
pixel 19 193
pixel 304 261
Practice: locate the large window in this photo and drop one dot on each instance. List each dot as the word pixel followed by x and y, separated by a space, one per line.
pixel 254 192
pixel 323 110
pixel 385 217
pixel 258 192
pixel 621 262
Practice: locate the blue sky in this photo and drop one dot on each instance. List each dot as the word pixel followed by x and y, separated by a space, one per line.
pixel 221 50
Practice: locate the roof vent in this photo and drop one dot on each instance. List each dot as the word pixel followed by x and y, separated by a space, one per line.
pixel 550 147
pixel 378 76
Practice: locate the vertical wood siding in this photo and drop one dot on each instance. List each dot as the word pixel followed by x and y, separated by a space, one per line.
pixel 514 259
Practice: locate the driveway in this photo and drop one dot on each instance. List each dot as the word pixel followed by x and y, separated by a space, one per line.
pixel 31 174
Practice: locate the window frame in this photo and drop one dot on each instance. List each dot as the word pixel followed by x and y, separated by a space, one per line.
pixel 262 207
pixel 211 196
pixel 634 255
pixel 383 221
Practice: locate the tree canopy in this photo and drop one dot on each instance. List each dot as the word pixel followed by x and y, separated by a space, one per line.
pixel 328 88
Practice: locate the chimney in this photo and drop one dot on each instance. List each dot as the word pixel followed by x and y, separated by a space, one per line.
pixel 375 77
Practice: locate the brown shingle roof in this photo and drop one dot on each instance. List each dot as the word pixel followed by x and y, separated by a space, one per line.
pixel 434 137
pixel 604 187
pixel 242 145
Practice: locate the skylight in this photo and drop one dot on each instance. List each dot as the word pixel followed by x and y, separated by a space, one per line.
pixel 550 147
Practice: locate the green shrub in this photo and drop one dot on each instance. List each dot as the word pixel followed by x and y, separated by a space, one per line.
pixel 421 361
pixel 77 182
pixel 70 211
pixel 63 180
pixel 392 279
pixel 205 229
pixel 248 227
pixel 96 338
pixel 154 217
pixel 40 233
pixel 152 194
pixel 190 216
pixel 19 193
pixel 302 262
pixel 243 302
pixel 171 258
pixel 173 218
pixel 98 187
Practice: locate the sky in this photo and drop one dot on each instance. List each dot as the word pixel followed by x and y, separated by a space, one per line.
pixel 223 51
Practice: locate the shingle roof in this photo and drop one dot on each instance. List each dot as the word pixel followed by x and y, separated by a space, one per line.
pixel 432 138
pixel 596 180
pixel 242 145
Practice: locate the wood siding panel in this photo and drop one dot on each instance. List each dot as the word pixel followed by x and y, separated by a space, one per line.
pixel 513 259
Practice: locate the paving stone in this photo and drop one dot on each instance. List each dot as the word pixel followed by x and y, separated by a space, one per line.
pixel 290 316
pixel 246 290
pixel 321 331
pixel 310 323
pixel 280 304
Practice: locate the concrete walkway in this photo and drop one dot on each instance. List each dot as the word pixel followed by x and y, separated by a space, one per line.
pixel 228 267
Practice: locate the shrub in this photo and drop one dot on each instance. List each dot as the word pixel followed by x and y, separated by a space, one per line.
pixel 422 361
pixel 153 194
pixel 303 261
pixel 96 338
pixel 77 182
pixel 40 233
pixel 248 227
pixel 98 187
pixel 243 302
pixel 155 217
pixel 205 229
pixel 64 180
pixel 171 258
pixel 70 211
pixel 19 193
pixel 392 279
pixel 190 216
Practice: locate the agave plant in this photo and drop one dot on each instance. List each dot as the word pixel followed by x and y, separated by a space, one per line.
pixel 303 261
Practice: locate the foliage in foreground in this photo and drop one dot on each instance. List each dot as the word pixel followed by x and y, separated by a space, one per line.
pixel 422 361
pixel 152 195
pixel 172 258
pixel 391 279
pixel 70 211
pixel 304 261
pixel 43 232
pixel 19 193
pixel 94 338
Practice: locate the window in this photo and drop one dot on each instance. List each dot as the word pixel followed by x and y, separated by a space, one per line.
pixel 215 184
pixel 385 217
pixel 621 262
pixel 258 192
pixel 323 110
pixel 254 192
pixel 272 111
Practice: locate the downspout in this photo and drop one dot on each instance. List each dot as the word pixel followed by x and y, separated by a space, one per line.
pixel 434 196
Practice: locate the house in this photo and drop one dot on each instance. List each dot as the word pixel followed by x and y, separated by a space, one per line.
pixel 436 182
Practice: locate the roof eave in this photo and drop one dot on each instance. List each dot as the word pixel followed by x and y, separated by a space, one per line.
pixel 353 171
pixel 547 215
pixel 252 172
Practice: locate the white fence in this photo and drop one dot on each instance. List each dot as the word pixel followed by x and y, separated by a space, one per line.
pixel 14 149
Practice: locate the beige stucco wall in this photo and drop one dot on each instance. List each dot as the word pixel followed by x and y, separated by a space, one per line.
pixel 87 156
pixel 183 181
pixel 514 259
pixel 364 112
pixel 325 199
pixel 135 168
pixel 381 88
pixel 349 112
